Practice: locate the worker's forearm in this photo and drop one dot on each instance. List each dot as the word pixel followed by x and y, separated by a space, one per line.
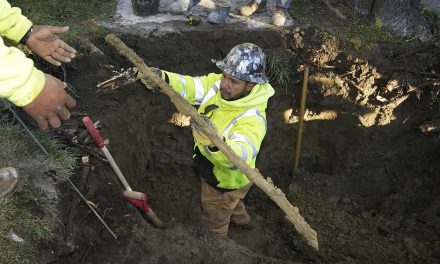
pixel 13 25
pixel 20 81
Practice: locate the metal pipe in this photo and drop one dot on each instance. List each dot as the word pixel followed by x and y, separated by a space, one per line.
pixel 91 208
pixel 7 104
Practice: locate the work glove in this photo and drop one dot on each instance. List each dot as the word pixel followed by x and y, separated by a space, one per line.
pixel 147 81
pixel 199 136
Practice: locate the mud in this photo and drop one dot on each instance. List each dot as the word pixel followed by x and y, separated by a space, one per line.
pixel 368 181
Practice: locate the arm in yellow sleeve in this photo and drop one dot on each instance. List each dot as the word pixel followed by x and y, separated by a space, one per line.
pixel 13 25
pixel 193 89
pixel 20 81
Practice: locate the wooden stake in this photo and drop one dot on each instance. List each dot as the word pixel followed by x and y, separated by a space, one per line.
pixel 292 213
pixel 301 119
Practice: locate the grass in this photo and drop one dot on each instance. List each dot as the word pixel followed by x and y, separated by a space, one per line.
pixel 280 70
pixel 354 27
pixel 367 33
pixel 83 17
pixel 30 211
pixel 301 10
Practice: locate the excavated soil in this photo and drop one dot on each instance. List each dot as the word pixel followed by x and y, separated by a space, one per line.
pixel 368 182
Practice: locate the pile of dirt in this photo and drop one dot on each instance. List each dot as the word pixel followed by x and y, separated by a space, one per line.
pixel 368 182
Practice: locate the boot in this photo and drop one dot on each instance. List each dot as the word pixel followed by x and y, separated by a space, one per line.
pixel 181 6
pixel 279 16
pixel 253 7
pixel 8 180
pixel 219 15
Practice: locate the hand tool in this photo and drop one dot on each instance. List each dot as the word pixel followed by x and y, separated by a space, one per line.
pixel 136 198
pixel 9 107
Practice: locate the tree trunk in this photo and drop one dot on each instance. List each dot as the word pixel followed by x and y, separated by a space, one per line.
pixel 402 17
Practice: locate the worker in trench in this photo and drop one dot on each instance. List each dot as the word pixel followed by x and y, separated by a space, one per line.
pixel 234 103
pixel 41 95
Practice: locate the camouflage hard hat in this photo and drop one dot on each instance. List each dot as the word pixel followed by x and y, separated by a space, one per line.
pixel 246 62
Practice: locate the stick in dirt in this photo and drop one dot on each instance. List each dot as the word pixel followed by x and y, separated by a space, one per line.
pixel 292 213
pixel 301 120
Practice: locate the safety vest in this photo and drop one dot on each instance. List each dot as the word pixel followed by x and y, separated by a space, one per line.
pixel 242 122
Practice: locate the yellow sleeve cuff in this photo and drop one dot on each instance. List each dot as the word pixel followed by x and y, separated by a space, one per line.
pixel 13 25
pixel 30 90
pixel 20 29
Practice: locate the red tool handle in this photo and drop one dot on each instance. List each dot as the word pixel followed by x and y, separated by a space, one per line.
pixel 93 131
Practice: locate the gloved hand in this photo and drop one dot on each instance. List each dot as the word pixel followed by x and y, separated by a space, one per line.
pixel 147 81
pixel 199 136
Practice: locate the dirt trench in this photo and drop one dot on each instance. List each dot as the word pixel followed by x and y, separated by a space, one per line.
pixel 367 183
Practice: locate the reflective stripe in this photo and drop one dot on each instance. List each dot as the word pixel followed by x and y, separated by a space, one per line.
pixel 212 92
pixel 199 91
pixel 262 118
pixel 240 137
pixel 244 153
pixel 250 112
pixel 183 82
pixel 206 149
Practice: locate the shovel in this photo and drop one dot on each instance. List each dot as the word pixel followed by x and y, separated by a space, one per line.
pixel 138 199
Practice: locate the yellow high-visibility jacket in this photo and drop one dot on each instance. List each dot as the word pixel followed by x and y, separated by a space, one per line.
pixel 242 123
pixel 20 81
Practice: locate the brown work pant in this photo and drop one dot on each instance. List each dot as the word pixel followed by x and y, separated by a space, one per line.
pixel 219 209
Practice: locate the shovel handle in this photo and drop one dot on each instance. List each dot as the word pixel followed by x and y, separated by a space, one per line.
pixel 156 221
pixel 93 131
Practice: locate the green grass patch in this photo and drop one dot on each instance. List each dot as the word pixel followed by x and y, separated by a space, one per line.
pixel 83 17
pixel 368 33
pixel 280 70
pixel 30 212
pixel 429 13
pixel 301 10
